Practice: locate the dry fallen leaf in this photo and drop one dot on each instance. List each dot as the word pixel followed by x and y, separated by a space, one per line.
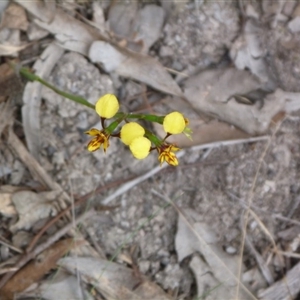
pixel 210 91
pixel 203 132
pixel 112 280
pixel 75 36
pixel 32 97
pixel 62 286
pixel 201 239
pixel 32 207
pixel 9 81
pixel 248 53
pixel 284 289
pixel 15 17
pixel 133 65
pixel 121 16
pixel 148 25
pixel 44 10
pixel 7 208
pixel 207 284
pixel 36 269
pixel 7 49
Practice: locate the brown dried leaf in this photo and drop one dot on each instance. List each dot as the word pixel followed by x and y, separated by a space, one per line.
pixel 33 207
pixel 209 91
pixel 62 286
pixel 197 237
pixel 6 50
pixel 7 208
pixel 10 84
pixel 75 36
pixel 44 10
pixel 15 17
pixel 248 53
pixel 204 132
pixel 32 97
pixel 36 269
pixel 148 25
pixel 112 280
pixel 284 289
pixel 133 65
pixel 121 16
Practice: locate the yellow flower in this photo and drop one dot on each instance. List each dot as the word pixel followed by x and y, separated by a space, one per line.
pixel 107 106
pixel 166 154
pixel 130 131
pixel 140 147
pixel 100 138
pixel 174 123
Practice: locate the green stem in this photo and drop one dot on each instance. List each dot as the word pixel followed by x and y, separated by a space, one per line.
pixel 114 125
pixel 153 138
pixel 32 77
pixel 147 117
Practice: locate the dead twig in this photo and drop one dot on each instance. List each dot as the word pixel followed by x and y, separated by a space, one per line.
pixel 249 204
pixel 51 240
pixel 285 289
pixel 157 169
pixel 231 275
pixel 67 209
pixel 260 261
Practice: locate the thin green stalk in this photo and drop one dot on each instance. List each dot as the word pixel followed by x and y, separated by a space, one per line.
pixel 25 72
pixel 147 117
pixel 114 125
pixel 32 77
pixel 153 138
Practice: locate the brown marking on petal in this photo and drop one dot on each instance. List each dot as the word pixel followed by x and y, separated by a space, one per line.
pixel 171 159
pixel 94 145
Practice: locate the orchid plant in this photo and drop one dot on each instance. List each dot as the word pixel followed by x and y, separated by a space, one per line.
pixel 139 140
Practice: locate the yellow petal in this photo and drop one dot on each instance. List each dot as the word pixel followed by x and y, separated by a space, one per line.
pixel 107 106
pixel 140 147
pixel 171 159
pixel 174 123
pixel 131 131
pixel 94 144
pixel 93 132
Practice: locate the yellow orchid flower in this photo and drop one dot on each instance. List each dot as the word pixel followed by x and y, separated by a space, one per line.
pixel 131 131
pixel 166 154
pixel 107 106
pixel 174 123
pixel 140 147
pixel 100 139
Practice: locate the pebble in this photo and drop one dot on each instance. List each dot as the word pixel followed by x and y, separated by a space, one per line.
pixel 294 25
pixel 230 250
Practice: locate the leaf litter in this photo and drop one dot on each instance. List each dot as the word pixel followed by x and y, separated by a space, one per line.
pixel 213 183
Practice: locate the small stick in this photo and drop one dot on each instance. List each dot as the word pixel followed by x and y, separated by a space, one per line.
pixel 63 212
pixel 51 240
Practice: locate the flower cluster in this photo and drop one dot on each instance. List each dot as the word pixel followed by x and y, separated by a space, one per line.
pixel 139 140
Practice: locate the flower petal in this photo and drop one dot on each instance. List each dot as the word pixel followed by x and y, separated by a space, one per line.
pixel 94 144
pixel 171 159
pixel 166 154
pixel 140 147
pixel 93 132
pixel 101 138
pixel 131 131
pixel 174 123
pixel 107 106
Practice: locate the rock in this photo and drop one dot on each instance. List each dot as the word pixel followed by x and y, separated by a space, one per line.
pixel 149 24
pixel 294 25
pixel 35 32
